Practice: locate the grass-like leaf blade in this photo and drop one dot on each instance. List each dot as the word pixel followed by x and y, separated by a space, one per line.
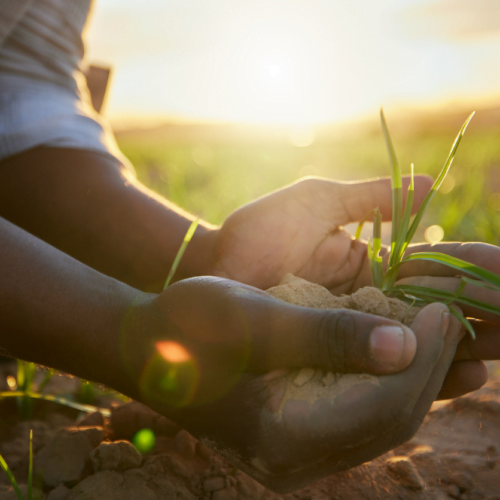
pixel 458 264
pixel 357 236
pixel 429 300
pixel 443 295
pixel 30 470
pixel 397 184
pixel 56 399
pixel 11 477
pixel 438 181
pixel 378 270
pixel 401 242
pixel 180 253
pixel 464 322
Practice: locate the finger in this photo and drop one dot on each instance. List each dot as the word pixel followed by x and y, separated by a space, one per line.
pixel 351 201
pixel 463 377
pixel 480 254
pixel 486 346
pixel 434 381
pixel 473 292
pixel 387 411
pixel 341 340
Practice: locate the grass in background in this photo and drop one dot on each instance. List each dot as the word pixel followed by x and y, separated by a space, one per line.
pixel 212 179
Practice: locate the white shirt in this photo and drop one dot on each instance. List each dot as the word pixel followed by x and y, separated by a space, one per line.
pixel 44 100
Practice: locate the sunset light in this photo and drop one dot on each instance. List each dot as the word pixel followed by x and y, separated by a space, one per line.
pixel 293 63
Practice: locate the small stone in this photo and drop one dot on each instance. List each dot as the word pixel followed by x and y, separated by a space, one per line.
pixel 452 490
pixel 10 494
pixel 58 420
pixel 59 493
pixel 329 379
pixel 304 376
pixel 92 419
pixel 111 485
pixel 64 459
pixel 475 494
pixel 126 420
pixel 186 444
pixel 118 456
pixel 214 484
pixel 462 479
pixel 248 488
pixel 203 451
pixel 406 472
pixel 226 494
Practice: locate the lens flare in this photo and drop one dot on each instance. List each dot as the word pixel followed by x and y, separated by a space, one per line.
pixel 171 376
pixel 173 352
pixel 11 382
pixel 434 234
pixel 144 440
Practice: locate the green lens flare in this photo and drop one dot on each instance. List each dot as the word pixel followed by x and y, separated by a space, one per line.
pixel 144 440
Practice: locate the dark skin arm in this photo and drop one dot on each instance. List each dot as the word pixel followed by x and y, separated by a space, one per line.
pixel 237 348
pixel 86 205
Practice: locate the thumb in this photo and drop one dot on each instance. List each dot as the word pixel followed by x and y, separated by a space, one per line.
pixel 351 201
pixel 342 341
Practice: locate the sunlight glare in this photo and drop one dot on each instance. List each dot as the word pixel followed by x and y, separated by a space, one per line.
pixel 173 352
pixel 434 234
pixel 302 137
pixel 11 382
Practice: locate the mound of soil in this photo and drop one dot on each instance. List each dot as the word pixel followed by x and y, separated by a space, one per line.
pixel 455 454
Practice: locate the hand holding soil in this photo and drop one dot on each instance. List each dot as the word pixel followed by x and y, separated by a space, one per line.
pixel 299 230
pixel 237 390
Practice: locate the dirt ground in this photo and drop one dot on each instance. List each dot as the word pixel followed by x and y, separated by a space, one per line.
pixel 456 454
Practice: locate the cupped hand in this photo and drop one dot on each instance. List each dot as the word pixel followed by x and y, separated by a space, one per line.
pixel 467 372
pixel 299 230
pixel 217 357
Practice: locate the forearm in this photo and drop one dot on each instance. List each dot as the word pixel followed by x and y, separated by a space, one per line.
pixel 56 311
pixel 81 203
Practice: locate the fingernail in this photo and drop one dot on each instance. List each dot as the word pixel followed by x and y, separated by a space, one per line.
pixel 387 345
pixel 445 322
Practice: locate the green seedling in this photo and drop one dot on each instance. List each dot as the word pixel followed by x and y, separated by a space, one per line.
pixel 12 479
pixel 25 383
pixel 180 253
pixel 26 392
pixel 401 235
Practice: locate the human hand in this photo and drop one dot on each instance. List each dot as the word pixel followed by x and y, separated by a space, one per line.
pixel 216 357
pixel 298 230
pixel 468 372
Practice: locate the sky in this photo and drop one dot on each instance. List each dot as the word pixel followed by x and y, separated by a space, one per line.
pixel 296 62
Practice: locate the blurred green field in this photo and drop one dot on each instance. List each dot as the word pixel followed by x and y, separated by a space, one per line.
pixel 212 177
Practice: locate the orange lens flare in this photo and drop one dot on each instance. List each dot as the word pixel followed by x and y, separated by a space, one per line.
pixel 173 352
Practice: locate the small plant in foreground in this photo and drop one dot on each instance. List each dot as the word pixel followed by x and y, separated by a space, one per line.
pixel 26 392
pixel 12 479
pixel 401 236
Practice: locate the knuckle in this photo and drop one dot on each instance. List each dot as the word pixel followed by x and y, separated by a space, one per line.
pixel 334 332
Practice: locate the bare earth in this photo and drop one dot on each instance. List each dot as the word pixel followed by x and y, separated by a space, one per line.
pixel 455 454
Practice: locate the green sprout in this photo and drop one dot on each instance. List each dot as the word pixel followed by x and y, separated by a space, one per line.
pixel 12 479
pixel 401 235
pixel 180 253
pixel 26 392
